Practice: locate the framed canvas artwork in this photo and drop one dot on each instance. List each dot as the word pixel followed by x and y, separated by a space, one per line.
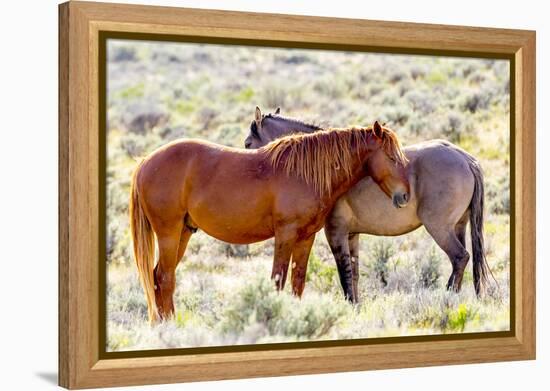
pixel 249 195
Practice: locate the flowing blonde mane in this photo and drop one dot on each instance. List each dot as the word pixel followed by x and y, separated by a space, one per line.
pixel 318 158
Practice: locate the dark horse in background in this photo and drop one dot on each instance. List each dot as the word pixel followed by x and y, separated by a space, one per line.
pixel 446 192
pixel 283 190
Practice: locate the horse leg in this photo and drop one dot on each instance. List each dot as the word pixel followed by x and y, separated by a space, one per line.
pixel 184 239
pixel 460 232
pixel 460 229
pixel 284 243
pixel 447 238
pixel 300 257
pixel 165 270
pixel 339 245
pixel 353 243
pixel 182 246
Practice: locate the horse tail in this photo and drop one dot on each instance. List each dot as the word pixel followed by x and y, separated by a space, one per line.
pixel 144 246
pixel 480 266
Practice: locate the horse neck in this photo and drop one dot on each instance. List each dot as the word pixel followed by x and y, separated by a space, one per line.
pixel 286 127
pixel 342 183
pixel 304 128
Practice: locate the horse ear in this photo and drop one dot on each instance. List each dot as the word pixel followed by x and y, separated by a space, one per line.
pixel 278 111
pixel 258 116
pixel 377 129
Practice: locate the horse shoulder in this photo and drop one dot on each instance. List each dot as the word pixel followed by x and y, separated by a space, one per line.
pixel 342 215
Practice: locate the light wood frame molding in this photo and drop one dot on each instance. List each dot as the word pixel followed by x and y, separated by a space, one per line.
pixel 81 364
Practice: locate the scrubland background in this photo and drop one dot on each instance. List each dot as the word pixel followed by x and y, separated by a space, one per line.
pixel 158 92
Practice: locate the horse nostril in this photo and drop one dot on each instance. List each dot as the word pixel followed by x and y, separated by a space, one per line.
pixel 406 197
pixel 247 145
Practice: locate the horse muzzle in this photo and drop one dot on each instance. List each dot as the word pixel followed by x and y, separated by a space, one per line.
pixel 400 200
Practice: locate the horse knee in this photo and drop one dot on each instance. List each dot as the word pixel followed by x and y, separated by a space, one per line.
pixel 298 279
pixel 345 272
pixel 165 284
pixel 459 265
pixel 344 263
pixel 278 275
pixel 166 281
pixel 460 261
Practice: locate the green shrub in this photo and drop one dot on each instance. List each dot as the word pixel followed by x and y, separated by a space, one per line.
pixel 429 274
pixel 458 318
pixel 419 127
pixel 436 77
pixel 138 146
pixel 122 53
pixel 313 319
pixel 119 242
pixel 382 251
pixel 257 302
pixel 396 76
pixel 280 313
pixel 322 275
pixel 476 100
pixel 273 95
pixel 420 101
pixel 331 87
pixel 417 72
pixel 396 116
pixel 132 92
pixel 452 127
pixel 498 194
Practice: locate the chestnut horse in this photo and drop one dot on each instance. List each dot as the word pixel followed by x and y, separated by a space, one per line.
pixel 284 189
pixel 446 192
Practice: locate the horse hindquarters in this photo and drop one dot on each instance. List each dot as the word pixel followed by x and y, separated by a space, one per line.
pixel 157 201
pixel 445 220
pixel 159 282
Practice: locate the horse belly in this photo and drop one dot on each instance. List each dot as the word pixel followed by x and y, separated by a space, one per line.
pixel 374 213
pixel 389 221
pixel 232 221
pixel 236 234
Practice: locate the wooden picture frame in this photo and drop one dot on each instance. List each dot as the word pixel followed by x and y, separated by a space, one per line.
pixel 81 25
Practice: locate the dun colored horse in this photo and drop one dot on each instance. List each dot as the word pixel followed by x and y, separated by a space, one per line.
pixel 284 189
pixel 446 192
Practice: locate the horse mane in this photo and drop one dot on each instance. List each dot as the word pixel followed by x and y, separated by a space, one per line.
pixel 293 121
pixel 319 158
